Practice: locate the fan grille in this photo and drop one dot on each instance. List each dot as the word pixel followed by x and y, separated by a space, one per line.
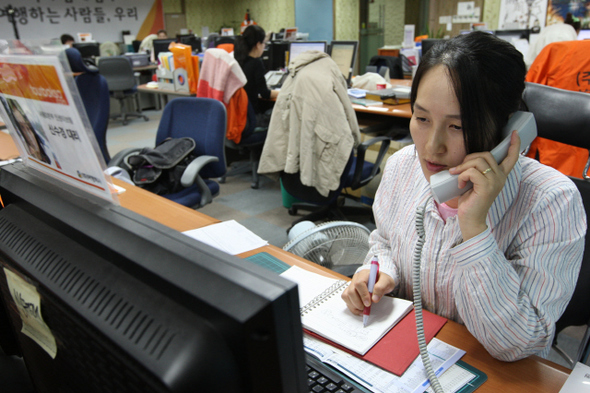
pixel 332 244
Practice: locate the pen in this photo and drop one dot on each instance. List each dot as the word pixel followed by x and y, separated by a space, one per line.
pixel 372 279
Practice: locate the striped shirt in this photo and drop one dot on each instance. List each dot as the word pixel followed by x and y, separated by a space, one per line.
pixel 508 285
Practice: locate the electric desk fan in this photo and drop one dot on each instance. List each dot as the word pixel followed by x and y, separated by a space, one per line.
pixel 337 245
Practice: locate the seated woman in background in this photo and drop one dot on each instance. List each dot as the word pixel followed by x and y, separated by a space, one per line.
pixel 248 49
pixel 504 257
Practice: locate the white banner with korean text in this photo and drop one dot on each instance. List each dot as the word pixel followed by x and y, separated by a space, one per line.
pixel 104 19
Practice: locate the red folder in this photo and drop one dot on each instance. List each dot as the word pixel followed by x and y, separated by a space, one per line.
pixel 396 351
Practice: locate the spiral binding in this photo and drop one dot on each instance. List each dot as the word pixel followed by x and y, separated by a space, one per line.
pixel 322 297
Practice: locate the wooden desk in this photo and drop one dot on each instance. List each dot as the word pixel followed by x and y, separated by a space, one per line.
pixel 150 67
pixel 163 93
pixel 532 374
pixel 8 149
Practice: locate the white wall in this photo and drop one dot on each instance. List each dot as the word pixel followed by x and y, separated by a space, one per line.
pixel 46 19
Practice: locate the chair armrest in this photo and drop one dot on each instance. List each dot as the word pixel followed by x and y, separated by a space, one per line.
pixel 192 170
pixel 191 176
pixel 119 158
pixel 357 182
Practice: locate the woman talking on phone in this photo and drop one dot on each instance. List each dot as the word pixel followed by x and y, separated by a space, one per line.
pixel 504 257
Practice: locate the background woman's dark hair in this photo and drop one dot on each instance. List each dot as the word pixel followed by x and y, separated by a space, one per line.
pixel 244 43
pixel 575 23
pixel 488 75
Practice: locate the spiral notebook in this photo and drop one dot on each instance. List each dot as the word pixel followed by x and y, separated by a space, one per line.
pixel 324 312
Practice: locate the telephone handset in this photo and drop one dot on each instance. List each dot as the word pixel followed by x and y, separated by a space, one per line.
pixel 446 186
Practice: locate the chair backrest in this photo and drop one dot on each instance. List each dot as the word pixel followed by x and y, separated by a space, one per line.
pixel 94 93
pixel 577 311
pixel 204 120
pixel 293 185
pixel 561 115
pixel 118 71
pixel 393 63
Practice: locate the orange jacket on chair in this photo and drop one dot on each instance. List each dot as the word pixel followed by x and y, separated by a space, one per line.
pixel 222 78
pixel 565 65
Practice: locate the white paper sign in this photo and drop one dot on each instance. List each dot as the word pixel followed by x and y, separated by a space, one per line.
pixel 44 121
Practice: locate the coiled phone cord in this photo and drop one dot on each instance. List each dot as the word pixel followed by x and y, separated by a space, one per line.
pixel 418 300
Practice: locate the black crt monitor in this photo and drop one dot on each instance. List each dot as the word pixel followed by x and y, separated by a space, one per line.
pixel 276 55
pixel 161 45
pixel 344 55
pixel 192 40
pixel 136 44
pixel 88 49
pixel 298 47
pixel 135 306
pixel 512 35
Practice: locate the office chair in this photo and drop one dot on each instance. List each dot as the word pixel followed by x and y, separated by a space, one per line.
pixel 356 174
pixel 230 80
pixel 203 120
pixel 118 71
pixel 561 115
pixel 394 64
pixel 225 42
pixel 94 92
pixel 250 145
pixel 564 116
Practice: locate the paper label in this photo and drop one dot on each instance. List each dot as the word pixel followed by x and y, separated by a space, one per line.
pixel 28 303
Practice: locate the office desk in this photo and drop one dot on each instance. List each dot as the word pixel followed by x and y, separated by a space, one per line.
pixel 163 94
pixel 532 374
pixel 8 149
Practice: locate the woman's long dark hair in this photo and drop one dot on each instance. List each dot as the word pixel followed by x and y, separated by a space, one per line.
pixel 244 43
pixel 488 76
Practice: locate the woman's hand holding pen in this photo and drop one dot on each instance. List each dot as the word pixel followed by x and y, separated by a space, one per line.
pixel 356 295
pixel 488 180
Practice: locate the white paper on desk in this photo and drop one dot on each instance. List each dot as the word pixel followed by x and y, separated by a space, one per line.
pixel 228 236
pixel 578 381
pixel 326 314
pixel 443 357
pixel 309 284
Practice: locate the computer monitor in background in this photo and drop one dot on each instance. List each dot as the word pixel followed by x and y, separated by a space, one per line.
pixel 161 45
pixel 132 305
pixel 273 56
pixel 584 34
pixel 88 49
pixel 512 35
pixel 344 55
pixel 192 40
pixel 298 47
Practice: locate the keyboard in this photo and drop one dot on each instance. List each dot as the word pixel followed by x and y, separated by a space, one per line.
pixel 274 79
pixel 321 378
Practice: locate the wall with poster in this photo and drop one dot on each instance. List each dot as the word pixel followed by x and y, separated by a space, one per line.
pixel 557 10
pixel 105 19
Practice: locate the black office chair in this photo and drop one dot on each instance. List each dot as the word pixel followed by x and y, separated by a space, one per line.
pixel 393 64
pixel 251 145
pixel 356 174
pixel 118 71
pixel 564 116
